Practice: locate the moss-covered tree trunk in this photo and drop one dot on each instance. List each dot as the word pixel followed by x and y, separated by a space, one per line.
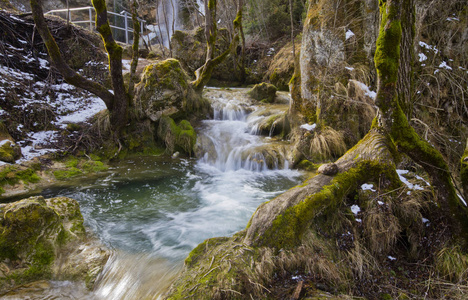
pixel 119 107
pixel 203 74
pixel 54 53
pixel 394 121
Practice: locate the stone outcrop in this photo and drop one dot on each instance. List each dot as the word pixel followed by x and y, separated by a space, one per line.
pixel 264 92
pixel 45 239
pixel 164 90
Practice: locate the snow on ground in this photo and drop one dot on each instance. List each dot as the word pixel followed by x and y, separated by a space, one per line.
pixel 367 90
pixel 368 187
pixel 407 183
pixel 349 34
pixel 309 127
pixel 68 104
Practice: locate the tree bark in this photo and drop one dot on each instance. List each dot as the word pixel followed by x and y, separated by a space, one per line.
pixel 135 47
pixel 119 107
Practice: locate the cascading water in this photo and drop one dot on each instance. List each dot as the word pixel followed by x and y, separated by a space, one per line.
pixel 231 141
pixel 153 211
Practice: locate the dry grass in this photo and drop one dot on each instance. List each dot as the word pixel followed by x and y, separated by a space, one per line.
pixel 381 230
pixel 452 264
pixel 362 261
pixel 327 143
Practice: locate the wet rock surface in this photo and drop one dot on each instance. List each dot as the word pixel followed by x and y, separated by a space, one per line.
pixel 45 239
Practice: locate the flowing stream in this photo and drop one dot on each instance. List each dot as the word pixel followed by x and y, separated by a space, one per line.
pixel 153 211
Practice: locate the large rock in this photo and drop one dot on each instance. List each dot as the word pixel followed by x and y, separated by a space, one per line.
pixel 264 92
pixel 164 90
pixel 46 239
pixel 281 68
pixel 9 151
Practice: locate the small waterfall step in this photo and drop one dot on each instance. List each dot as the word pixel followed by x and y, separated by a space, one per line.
pixel 231 141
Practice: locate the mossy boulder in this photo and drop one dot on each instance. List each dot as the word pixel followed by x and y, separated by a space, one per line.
pixel 281 68
pixel 177 137
pixel 164 90
pixel 264 92
pixel 41 239
pixel 9 151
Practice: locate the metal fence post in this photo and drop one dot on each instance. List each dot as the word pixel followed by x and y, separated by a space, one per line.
pixel 90 19
pixel 126 27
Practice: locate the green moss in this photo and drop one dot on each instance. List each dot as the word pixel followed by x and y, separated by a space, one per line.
pixel 387 53
pixel 12 175
pixel 287 229
pixel 93 166
pixel 73 127
pixel 264 92
pixel 307 165
pixel 180 137
pixel 66 174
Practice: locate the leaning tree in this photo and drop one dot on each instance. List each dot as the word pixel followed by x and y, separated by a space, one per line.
pixel 118 101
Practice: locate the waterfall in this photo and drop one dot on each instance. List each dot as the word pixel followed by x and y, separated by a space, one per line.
pixel 167 16
pixel 231 141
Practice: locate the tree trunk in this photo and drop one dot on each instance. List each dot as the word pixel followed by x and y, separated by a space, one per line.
pixel 54 52
pixel 119 108
pixel 394 121
pixel 135 46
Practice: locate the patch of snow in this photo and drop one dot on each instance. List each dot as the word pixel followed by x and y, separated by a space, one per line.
pixel 406 182
pixel 40 144
pixel 367 91
pixel 422 57
pixel 391 258
pixel 367 187
pixel 126 64
pixel 461 198
pixel 309 127
pixel 424 220
pixel 422 179
pixel 445 66
pixel 453 19
pixel 358 220
pixel 380 203
pixel 82 115
pixel 44 63
pixel 429 47
pixel 3 142
pixel 349 34
pixel 355 209
pixel 349 68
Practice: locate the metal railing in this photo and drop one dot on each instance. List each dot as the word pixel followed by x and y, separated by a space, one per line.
pixel 89 20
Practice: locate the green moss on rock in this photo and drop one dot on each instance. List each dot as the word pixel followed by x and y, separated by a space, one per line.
pixel 181 137
pixel 264 92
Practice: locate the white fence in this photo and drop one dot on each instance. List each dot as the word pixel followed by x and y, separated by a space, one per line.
pixel 86 19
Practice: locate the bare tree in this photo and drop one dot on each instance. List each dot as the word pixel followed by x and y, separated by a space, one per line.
pixel 203 74
pixel 117 102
